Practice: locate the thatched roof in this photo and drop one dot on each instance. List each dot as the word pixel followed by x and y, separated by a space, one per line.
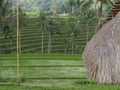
pixel 102 53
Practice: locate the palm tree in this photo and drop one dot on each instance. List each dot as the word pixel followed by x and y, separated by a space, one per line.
pixel 22 17
pixel 43 24
pixel 72 4
pixel 63 8
pixel 53 8
pixel 53 28
pixel 89 18
pixel 1 5
pixel 5 13
pixel 7 38
pixel 51 32
pixel 96 4
pixel 71 24
pixel 78 6
pixel 99 4
pixel 1 22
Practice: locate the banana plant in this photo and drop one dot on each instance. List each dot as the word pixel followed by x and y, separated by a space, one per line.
pixel 52 28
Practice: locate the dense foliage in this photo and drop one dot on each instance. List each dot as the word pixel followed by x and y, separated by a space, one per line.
pixel 66 18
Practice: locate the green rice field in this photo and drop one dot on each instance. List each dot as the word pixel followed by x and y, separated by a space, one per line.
pixel 47 72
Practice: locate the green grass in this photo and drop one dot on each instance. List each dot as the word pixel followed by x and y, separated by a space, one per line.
pixel 33 62
pixel 32 14
pixel 77 87
pixel 44 72
pixel 38 66
pixel 47 72
pixel 43 56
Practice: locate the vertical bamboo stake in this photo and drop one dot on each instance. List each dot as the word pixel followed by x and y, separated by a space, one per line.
pixel 87 35
pixel 18 62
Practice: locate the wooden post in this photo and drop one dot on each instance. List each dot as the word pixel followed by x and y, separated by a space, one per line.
pixel 17 37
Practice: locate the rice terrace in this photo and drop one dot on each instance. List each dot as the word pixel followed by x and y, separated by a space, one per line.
pixel 59 45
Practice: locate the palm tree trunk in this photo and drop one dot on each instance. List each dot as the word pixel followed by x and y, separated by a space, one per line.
pixel 65 47
pixel 19 42
pixel 73 9
pixel 64 12
pixel 11 45
pixel 110 2
pixel 49 43
pixel 73 45
pixel 42 42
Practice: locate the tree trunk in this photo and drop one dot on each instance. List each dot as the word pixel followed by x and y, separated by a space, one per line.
pixel 42 42
pixel 11 45
pixel 19 42
pixel 73 45
pixel 49 43
pixel 65 47
pixel 64 12
pixel 73 9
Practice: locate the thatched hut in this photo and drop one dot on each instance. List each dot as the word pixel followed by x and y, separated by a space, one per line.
pixel 102 53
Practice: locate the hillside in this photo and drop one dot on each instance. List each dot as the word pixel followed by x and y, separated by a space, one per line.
pixel 30 37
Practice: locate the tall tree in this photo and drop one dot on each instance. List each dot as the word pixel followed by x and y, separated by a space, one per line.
pixel 43 24
pixel 5 15
pixel 53 28
pixel 99 4
pixel 72 24
pixel 72 4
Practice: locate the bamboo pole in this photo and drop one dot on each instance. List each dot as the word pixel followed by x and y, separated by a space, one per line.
pixel 18 61
pixel 87 35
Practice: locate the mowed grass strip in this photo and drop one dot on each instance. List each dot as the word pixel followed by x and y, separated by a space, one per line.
pixel 42 57
pixel 60 68
pixel 44 72
pixel 60 87
pixel 39 65
pixel 42 63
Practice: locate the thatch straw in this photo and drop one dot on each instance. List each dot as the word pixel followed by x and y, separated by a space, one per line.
pixel 102 53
